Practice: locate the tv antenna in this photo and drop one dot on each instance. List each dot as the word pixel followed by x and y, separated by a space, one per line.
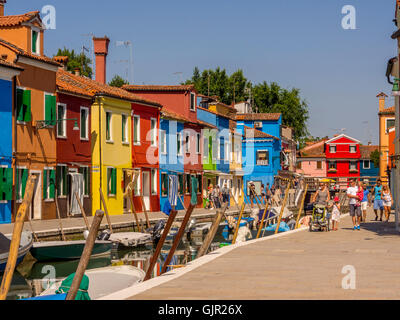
pixel 127 44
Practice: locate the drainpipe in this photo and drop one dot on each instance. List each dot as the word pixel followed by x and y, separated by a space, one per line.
pixel 100 105
pixel 397 141
pixel 14 151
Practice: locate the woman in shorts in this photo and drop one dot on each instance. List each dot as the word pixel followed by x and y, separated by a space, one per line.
pixel 387 201
pixel 364 203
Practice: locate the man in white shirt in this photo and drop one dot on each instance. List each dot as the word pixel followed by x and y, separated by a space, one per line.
pixel 355 211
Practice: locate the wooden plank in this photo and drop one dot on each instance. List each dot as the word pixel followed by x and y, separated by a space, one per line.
pixel 238 225
pixel 82 211
pixel 160 244
pixel 211 233
pixel 283 208
pixel 256 197
pixel 133 211
pixel 106 210
pixel 262 221
pixel 145 211
pixel 16 238
pixel 301 207
pixel 87 252
pixel 59 217
pixel 178 237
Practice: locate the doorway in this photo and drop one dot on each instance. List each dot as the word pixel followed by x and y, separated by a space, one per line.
pixel 36 205
pixel 146 189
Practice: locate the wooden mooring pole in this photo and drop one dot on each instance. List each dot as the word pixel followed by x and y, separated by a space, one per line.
pixel 106 210
pixel 262 221
pixel 87 252
pixel 16 238
pixel 145 211
pixel 160 244
pixel 301 207
pixel 133 210
pixel 235 235
pixel 283 208
pixel 82 211
pixel 59 218
pixel 178 237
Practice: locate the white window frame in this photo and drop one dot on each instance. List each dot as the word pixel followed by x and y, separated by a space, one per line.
pixel 193 96
pixel 111 140
pixel 227 150
pixel 163 139
pixel 87 167
pixel 154 132
pixel 179 142
pixel 154 183
pixel 269 157
pixel 355 149
pixel 139 181
pixel 386 123
pixel 187 142
pixel 38 48
pixel 64 123
pixel 61 196
pixel 48 183
pixel 87 123
pixel 329 165
pixel 369 164
pixel 353 163
pixel 138 143
pixel 198 142
pixel 126 141
pixel 219 148
pixel 330 149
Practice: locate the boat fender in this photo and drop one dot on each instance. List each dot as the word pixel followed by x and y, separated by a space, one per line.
pixel 104 236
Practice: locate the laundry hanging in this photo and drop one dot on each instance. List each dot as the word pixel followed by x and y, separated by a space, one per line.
pixel 173 190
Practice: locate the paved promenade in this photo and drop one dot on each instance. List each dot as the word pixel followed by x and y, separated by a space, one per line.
pixel 301 265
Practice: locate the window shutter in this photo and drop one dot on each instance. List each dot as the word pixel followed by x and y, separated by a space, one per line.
pixel 109 173
pixel 52 184
pixel 34 41
pixel 27 106
pixel 24 181
pixel 2 184
pixel 83 123
pixel 45 172
pixel 50 110
pixel 17 184
pixel 7 188
pixel 20 105
pixel 114 182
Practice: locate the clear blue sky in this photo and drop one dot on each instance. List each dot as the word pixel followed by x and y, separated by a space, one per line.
pixel 297 43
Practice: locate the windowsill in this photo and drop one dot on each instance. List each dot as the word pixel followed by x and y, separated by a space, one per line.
pixel 110 141
pixel 49 200
pixel 164 153
pixel 62 197
pixel 353 171
pixel 193 110
pixel 112 196
pixel 3 202
pixel 332 171
pixel 62 137
pixel 85 139
pixel 126 144
pixel 137 144
pixel 22 123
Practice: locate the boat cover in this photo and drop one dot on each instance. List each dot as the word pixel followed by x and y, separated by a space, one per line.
pixel 4 244
pixel 83 289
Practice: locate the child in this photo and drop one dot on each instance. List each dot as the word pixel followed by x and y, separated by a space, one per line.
pixel 336 214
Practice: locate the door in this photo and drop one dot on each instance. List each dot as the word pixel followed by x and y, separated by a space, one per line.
pixel 146 189
pixel 36 205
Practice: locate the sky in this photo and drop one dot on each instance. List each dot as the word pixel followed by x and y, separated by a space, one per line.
pixel 296 43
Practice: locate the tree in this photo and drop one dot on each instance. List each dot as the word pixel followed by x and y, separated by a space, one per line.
pixel 375 158
pixel 75 60
pixel 118 82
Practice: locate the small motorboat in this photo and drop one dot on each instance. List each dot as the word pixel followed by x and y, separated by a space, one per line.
pixel 5 242
pixel 67 250
pixel 130 239
pixel 104 281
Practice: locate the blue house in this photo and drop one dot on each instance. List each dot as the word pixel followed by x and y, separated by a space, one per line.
pixel 368 171
pixel 7 72
pixel 171 155
pixel 261 148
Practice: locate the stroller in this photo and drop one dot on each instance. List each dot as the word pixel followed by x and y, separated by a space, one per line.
pixel 320 219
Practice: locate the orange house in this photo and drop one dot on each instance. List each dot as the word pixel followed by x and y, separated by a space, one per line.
pixel 34 114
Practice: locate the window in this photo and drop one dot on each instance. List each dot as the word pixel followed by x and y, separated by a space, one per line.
pixel 164 184
pixel 163 142
pixel 353 166
pixel 206 147
pixel 49 184
pixel 199 184
pixel 108 126
pixel 258 125
pixel 332 149
pixel 353 149
pixel 187 143
pixel 319 165
pixel 180 183
pixel 50 109
pixel 367 164
pixel 136 187
pixel 179 144
pixel 215 148
pixel 124 125
pixel 86 179
pixel 198 141
pixel 192 102
pixel 226 152
pixel 153 132
pixel 23 107
pixel 332 166
pixel 112 181
pixel 188 184
pixel 257 185
pixel 21 180
pixel 136 130
pixel 263 158
pixel 62 181
pixel 6 184
pixel 240 186
pixel 61 123
pixel 154 181
pixel 220 148
pixel 390 123
pixel 84 123
pixel 35 42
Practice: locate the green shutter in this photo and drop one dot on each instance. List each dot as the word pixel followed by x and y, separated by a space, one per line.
pixel 123 128
pixel 50 110
pixel 2 184
pixel 114 181
pixel 24 181
pixel 27 106
pixel 17 195
pixel 20 105
pixel 109 181
pixel 52 184
pixel 8 184
pixel 45 184
pixel 34 41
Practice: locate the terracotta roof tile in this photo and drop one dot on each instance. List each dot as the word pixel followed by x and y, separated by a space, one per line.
pixel 5 63
pixel 367 150
pixel 158 88
pixel 217 113
pixel 11 21
pixel 259 116
pixel 251 132
pixel 317 150
pixel 77 84
pixel 388 111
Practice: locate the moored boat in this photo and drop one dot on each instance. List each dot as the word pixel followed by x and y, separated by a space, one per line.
pixel 25 246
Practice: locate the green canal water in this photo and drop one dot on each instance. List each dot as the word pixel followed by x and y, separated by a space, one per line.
pixel 32 278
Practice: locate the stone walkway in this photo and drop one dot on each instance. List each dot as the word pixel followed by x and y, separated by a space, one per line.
pixel 302 265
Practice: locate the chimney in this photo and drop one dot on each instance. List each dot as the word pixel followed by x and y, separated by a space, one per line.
pixel 2 4
pixel 62 60
pixel 77 71
pixel 382 97
pixel 101 52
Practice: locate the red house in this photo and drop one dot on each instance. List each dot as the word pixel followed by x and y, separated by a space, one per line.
pixel 74 139
pixel 343 157
pixel 145 155
pixel 181 100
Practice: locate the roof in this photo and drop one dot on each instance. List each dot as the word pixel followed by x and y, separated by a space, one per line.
pixel 175 116
pixel 72 83
pixel 16 20
pixel 24 53
pixel 158 88
pixel 7 64
pixel 367 150
pixel 316 150
pixel 388 111
pixel 332 141
pixel 381 94
pixel 259 116
pixel 254 133
pixel 217 113
pixel 223 104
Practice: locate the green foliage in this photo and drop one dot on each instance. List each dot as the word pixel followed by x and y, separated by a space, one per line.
pixel 375 158
pixel 75 60
pixel 118 82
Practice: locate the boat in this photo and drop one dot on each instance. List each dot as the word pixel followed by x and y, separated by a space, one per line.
pixel 105 281
pixel 5 242
pixel 130 239
pixel 67 250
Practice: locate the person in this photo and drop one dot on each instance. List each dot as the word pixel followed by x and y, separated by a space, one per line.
pixel 269 194
pixel 378 203
pixel 217 197
pixel 263 194
pixel 252 190
pixel 387 202
pixel 336 214
pixel 225 194
pixel 355 211
pixel 210 195
pixel 364 202
pixel 322 197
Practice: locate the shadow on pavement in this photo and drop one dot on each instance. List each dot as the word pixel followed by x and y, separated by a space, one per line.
pixel 381 228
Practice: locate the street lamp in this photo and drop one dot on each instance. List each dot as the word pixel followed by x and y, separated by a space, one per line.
pixel 44 124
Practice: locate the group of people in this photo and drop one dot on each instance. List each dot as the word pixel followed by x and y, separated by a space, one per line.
pixel 360 198
pixel 216 197
pixel 271 195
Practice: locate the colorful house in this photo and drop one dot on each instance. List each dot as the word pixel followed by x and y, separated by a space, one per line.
pixel 34 134
pixel 236 168
pixel 311 161
pixel 74 149
pixel 368 171
pixel 8 72
pixel 386 121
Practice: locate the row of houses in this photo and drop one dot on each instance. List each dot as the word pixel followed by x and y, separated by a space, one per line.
pixel 80 136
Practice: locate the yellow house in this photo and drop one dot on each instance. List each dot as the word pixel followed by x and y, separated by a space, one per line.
pixel 386 121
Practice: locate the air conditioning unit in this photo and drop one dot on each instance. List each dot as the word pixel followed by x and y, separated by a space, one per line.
pixel 258 125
